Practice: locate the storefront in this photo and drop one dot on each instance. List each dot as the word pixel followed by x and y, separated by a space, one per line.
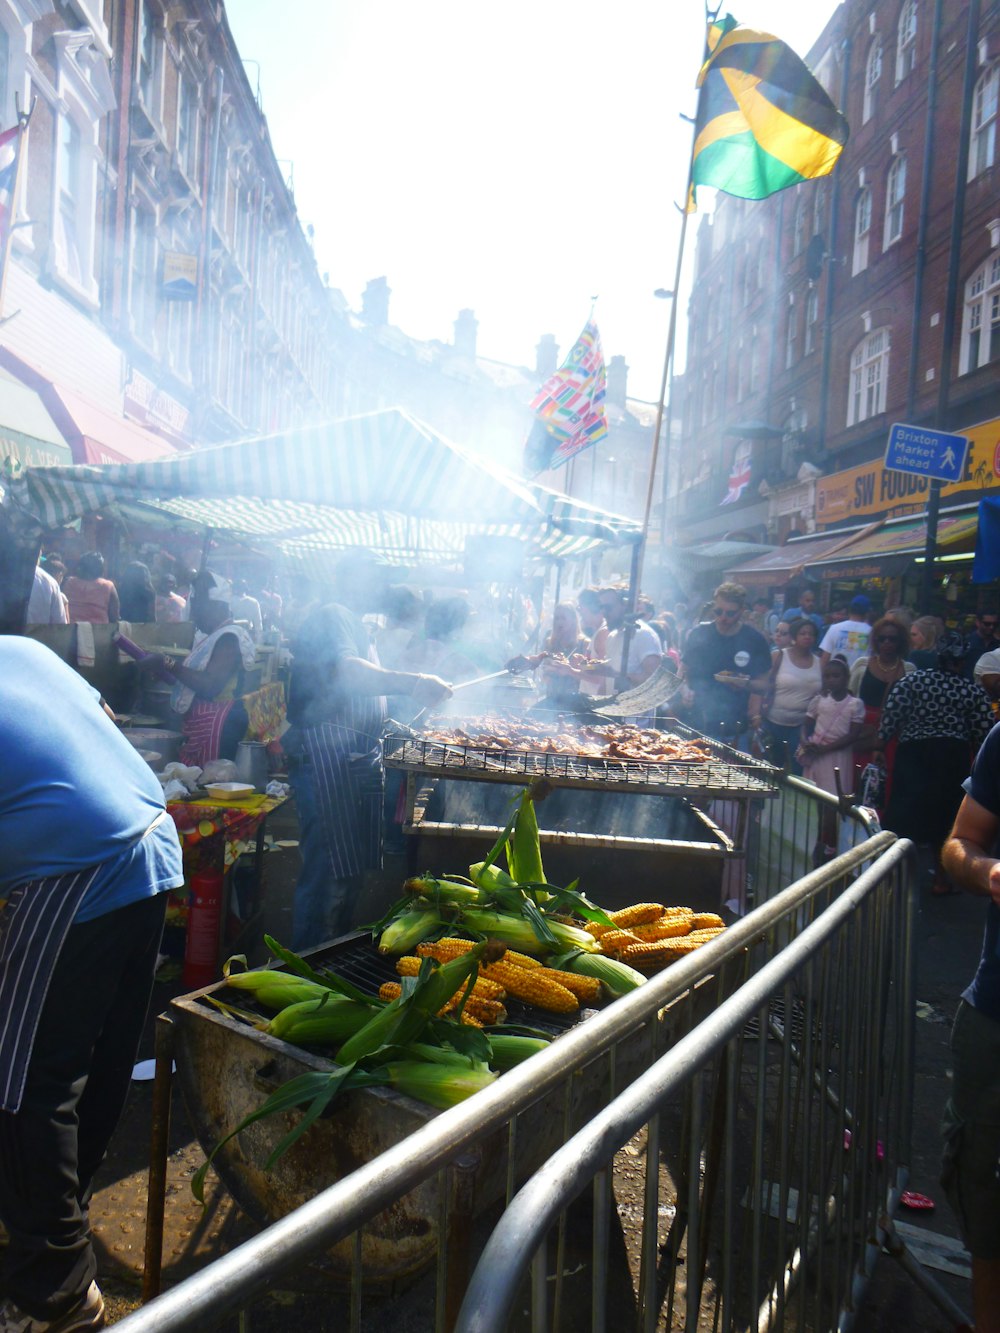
pixel 888 566
pixel 771 573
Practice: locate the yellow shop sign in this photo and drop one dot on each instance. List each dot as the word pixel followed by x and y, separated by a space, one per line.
pixel 872 489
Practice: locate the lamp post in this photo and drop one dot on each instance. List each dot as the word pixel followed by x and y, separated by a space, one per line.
pixel 664 294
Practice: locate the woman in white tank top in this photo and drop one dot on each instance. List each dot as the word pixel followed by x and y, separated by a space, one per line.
pixel 795 679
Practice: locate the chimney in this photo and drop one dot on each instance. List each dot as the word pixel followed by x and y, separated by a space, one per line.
pixel 465 334
pixel 375 302
pixel 617 381
pixel 546 356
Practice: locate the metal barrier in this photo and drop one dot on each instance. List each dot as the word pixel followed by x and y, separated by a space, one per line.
pixel 620 1042
pixel 789 1105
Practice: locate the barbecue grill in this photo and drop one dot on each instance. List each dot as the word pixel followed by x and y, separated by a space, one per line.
pixel 226 1069
pixel 698 827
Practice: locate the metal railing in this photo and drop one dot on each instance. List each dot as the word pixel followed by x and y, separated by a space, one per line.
pixel 776 1132
pixel 615 1047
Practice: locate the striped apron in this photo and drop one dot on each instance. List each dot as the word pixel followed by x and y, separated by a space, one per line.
pixel 34 922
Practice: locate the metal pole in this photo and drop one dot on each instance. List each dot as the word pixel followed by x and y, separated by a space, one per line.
pixel 954 260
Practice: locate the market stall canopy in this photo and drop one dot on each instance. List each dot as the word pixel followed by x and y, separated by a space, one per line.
pixel 891 550
pixel 778 567
pixel 710 557
pixel 382 480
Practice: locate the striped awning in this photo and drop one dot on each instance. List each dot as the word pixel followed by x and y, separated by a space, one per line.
pixel 382 480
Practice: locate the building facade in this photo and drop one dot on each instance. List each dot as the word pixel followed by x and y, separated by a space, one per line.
pixel 821 316
pixel 159 274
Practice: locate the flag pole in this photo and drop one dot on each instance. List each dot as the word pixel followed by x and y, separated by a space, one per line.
pixel 23 120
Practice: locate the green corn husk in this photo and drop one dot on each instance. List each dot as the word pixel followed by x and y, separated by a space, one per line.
pixel 277 990
pixel 404 933
pixel 491 876
pixel 519 934
pixel 615 976
pixel 509 1050
pixel 524 850
pixel 327 1022
pixel 435 1084
pixel 448 890
pixel 405 1019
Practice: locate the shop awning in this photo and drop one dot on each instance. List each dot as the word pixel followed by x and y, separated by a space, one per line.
pixel 777 567
pixel 891 550
pixel 27 432
pixel 98 436
pixel 382 480
pixel 92 433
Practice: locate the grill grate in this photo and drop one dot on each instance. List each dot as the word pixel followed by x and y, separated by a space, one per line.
pixel 356 959
pixel 727 773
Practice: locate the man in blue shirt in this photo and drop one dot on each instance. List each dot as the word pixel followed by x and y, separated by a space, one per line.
pixel 88 852
pixel 972 1115
pixel 806 610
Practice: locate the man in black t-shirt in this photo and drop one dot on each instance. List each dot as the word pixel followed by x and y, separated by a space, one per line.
pixel 724 664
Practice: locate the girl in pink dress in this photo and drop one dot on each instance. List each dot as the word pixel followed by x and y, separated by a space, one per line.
pixel 834 720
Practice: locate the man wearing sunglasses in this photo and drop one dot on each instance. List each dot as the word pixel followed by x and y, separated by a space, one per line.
pixel 724 659
pixel 982 640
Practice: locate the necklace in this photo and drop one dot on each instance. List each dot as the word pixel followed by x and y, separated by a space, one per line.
pixel 885 673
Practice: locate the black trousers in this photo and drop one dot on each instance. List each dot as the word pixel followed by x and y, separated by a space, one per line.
pixel 78 1079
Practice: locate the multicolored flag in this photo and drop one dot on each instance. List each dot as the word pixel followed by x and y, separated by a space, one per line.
pixel 569 407
pixel 764 122
pixel 740 473
pixel 10 161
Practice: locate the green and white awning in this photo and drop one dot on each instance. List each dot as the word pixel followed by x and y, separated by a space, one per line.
pixel 382 480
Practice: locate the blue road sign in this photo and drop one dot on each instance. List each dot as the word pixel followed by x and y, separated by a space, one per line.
pixel 926 452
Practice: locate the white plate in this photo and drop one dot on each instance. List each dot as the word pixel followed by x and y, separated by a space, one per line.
pixel 232 791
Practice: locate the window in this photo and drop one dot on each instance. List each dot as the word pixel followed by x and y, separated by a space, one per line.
pixel 819 208
pixel 179 323
pixel 791 332
pixel 862 228
pixel 981 319
pixel 69 186
pixel 754 359
pixel 148 62
pixel 142 287
pixel 983 146
pixel 187 129
pixel 869 375
pixel 895 192
pixel 812 317
pixel 799 226
pixel 749 269
pixel 5 72
pixel 906 40
pixel 873 72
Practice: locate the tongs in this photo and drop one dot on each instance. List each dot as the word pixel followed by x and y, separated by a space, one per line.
pixel 464 685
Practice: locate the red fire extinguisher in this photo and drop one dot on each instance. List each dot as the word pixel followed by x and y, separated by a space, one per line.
pixel 201 946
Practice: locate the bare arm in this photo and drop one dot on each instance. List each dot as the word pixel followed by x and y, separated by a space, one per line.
pixel 646 668
pixel 965 855
pixel 360 676
pixel 222 666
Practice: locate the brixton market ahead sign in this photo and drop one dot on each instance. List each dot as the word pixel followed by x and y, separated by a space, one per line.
pixel 925 452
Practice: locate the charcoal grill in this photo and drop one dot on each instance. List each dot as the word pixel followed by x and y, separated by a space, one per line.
pixel 226 1069
pixel 727 776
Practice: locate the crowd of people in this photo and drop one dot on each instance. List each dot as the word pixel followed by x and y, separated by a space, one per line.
pixel 140 596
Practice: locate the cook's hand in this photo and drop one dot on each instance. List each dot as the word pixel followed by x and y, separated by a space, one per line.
pixel 430 690
pixel 993 883
pixel 152 662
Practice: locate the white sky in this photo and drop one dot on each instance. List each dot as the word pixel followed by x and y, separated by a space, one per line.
pixel 514 159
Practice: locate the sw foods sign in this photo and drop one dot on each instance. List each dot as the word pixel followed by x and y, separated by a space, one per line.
pixel 872 489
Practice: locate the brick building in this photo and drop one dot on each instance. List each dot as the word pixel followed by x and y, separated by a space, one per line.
pixel 161 289
pixel 824 314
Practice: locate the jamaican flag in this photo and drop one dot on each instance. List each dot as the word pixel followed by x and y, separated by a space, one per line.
pixel 764 122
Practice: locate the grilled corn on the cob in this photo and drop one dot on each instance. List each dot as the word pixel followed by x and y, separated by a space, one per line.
pixel 531 986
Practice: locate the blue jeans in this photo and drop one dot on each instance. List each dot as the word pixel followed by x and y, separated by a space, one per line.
pixel 324 903
pixel 785 741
